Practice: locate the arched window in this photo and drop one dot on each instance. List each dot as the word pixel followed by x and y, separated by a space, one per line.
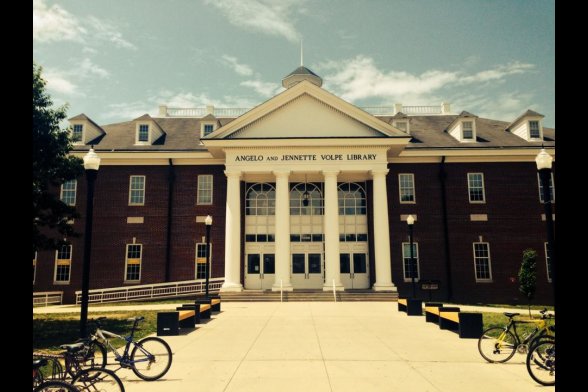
pixel 352 199
pixel 306 199
pixel 260 199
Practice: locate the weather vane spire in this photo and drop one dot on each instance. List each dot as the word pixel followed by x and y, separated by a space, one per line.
pixel 301 54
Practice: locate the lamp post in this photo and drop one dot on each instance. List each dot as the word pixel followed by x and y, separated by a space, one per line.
pixel 410 222
pixel 91 165
pixel 544 163
pixel 208 222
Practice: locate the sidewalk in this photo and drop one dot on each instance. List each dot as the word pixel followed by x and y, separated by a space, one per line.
pixel 326 346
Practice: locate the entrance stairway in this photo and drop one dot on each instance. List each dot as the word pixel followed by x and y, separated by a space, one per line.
pixel 309 295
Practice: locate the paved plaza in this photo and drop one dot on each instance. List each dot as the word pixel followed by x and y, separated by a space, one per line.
pixel 326 346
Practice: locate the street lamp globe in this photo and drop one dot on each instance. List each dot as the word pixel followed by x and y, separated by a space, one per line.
pixel 543 160
pixel 91 160
pixel 410 220
pixel 208 223
pixel 208 220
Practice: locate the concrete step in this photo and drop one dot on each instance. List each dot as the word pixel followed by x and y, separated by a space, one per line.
pixel 308 295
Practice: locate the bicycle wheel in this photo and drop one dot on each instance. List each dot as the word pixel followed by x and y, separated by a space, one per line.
pixel 541 362
pixel 55 386
pixel 151 358
pixel 497 345
pixel 93 355
pixel 103 380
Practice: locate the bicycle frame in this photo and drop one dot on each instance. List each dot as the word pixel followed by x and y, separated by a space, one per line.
pixel 124 359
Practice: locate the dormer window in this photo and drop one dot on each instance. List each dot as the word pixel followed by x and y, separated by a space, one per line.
pixel 207 129
pixel 467 129
pixel 77 134
pixel 402 125
pixel 143 133
pixel 534 130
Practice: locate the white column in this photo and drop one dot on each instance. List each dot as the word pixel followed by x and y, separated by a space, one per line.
pixel 381 233
pixel 282 232
pixel 233 234
pixel 331 225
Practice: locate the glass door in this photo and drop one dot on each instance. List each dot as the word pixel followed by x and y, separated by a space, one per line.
pixel 307 271
pixel 260 275
pixel 354 273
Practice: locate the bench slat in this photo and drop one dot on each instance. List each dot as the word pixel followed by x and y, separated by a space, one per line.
pixel 453 316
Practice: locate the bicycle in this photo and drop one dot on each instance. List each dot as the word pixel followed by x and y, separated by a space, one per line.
pixel 42 385
pixel 499 344
pixel 541 361
pixel 150 358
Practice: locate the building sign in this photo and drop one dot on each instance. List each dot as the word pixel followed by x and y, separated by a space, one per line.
pixel 304 157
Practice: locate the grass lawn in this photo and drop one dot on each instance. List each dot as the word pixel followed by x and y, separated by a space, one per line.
pixel 52 330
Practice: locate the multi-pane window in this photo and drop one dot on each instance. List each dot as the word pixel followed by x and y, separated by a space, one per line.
pixel 406 265
pixel 77 133
pixel 143 133
pixel 467 128
pixel 406 187
pixel 352 200
pixel 63 264
pixel 68 192
pixel 548 262
pixel 260 199
pixel 137 191
pixel 551 189
pixel 208 129
pixel 133 262
pixel 201 260
pixel 306 199
pixel 402 125
pixel 204 193
pixel 482 261
pixel 476 188
pixel 534 131
pixel 34 265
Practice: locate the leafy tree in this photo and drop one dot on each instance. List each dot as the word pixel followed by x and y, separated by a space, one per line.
pixel 528 275
pixel 51 167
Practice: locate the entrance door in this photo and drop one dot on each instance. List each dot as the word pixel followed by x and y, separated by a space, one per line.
pixel 261 269
pixel 307 271
pixel 354 273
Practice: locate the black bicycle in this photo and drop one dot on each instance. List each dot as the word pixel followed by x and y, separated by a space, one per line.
pixel 51 385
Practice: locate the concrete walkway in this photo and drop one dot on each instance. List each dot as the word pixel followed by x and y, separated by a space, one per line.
pixel 325 346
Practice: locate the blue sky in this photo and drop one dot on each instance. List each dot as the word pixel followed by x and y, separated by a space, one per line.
pixel 115 60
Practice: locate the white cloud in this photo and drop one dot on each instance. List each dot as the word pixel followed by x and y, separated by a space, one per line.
pixel 55 24
pixel 266 89
pixel 86 68
pixel 107 32
pixel 241 69
pixel 57 81
pixel 272 17
pixel 359 78
pixel 505 107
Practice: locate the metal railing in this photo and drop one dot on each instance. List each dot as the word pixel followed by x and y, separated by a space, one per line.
pixel 159 290
pixel 45 298
pixel 422 109
pixel 201 112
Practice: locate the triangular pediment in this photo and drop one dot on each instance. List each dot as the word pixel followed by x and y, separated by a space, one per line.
pixel 305 111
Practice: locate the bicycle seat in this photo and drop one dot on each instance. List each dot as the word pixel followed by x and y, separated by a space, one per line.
pixel 37 363
pixel 72 348
pixel 141 318
pixel 510 315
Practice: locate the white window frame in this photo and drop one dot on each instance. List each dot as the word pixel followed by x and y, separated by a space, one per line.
pixel 407 256
pixel 131 203
pixel 551 188
pixel 203 126
pixel 140 263
pixel 482 280
pixel 539 128
pixel 34 267
pixel 75 192
pixel 197 261
pixel 400 189
pixel 148 141
pixel 81 141
pixel 473 138
pixel 60 262
pixel 547 263
pixel 200 188
pixel 483 190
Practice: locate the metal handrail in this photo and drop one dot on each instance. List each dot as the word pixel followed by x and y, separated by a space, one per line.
pixel 46 298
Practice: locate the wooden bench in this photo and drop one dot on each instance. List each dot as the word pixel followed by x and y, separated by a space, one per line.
pixel 202 310
pixel 469 325
pixel 432 312
pixel 169 323
pixel 214 302
pixel 412 307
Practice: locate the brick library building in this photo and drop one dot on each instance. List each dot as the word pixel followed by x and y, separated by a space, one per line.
pixel 309 192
